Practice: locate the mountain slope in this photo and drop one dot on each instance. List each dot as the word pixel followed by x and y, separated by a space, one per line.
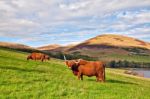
pixel 49 47
pixel 115 41
pixel 55 48
pixel 17 46
pixel 111 45
pixel 13 45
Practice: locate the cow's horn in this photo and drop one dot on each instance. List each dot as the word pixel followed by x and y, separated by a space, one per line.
pixel 77 61
pixel 65 58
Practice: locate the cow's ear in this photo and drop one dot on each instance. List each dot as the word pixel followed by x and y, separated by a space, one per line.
pixel 82 62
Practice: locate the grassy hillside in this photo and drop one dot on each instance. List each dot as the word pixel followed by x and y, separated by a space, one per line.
pixel 49 47
pixel 115 56
pixel 135 58
pixel 24 79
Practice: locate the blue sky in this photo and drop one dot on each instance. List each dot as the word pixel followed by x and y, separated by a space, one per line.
pixel 43 22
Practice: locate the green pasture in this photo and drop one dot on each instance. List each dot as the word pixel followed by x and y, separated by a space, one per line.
pixel 22 79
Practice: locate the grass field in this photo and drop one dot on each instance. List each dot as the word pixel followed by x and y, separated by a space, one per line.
pixel 135 58
pixel 116 56
pixel 22 79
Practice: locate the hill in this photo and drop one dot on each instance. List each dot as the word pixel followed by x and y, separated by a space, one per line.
pixel 16 46
pixel 49 47
pixel 115 40
pixel 107 48
pixel 24 79
pixel 110 45
pixel 55 48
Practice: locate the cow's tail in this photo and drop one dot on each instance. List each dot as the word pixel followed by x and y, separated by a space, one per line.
pixel 104 65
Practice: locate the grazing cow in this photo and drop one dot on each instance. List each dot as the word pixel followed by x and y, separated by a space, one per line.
pixel 89 68
pixel 38 56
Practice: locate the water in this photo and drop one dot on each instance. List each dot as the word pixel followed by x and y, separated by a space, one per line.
pixel 145 72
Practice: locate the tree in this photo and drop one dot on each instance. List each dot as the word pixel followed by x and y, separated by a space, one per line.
pixel 113 64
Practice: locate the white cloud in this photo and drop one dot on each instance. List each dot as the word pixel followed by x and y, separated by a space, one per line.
pixel 140 33
pixel 136 17
pixel 82 18
pixel 75 6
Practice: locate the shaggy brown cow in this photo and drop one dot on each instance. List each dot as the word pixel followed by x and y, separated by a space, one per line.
pixel 38 56
pixel 89 68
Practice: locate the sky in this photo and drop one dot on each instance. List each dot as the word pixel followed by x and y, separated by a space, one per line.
pixel 43 22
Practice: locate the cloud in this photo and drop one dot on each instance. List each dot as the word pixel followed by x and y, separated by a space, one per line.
pixel 75 6
pixel 36 22
pixel 137 17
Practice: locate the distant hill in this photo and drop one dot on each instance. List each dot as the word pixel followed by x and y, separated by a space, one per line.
pixel 104 45
pixel 14 45
pixel 113 40
pixel 108 47
pixel 17 46
pixel 49 47
pixel 55 48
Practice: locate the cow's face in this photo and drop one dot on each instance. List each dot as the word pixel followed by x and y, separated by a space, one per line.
pixel 47 57
pixel 70 63
pixel 29 57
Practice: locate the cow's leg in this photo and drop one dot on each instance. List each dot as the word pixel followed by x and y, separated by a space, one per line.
pixel 42 59
pixel 103 77
pixel 81 76
pixel 97 78
pixel 100 79
pixel 100 76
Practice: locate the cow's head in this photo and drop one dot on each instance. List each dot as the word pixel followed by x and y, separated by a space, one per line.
pixel 47 57
pixel 78 62
pixel 29 57
pixel 70 63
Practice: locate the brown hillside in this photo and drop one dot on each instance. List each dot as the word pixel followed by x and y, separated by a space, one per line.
pixel 14 45
pixel 105 45
pixel 49 47
pixel 55 48
pixel 111 40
